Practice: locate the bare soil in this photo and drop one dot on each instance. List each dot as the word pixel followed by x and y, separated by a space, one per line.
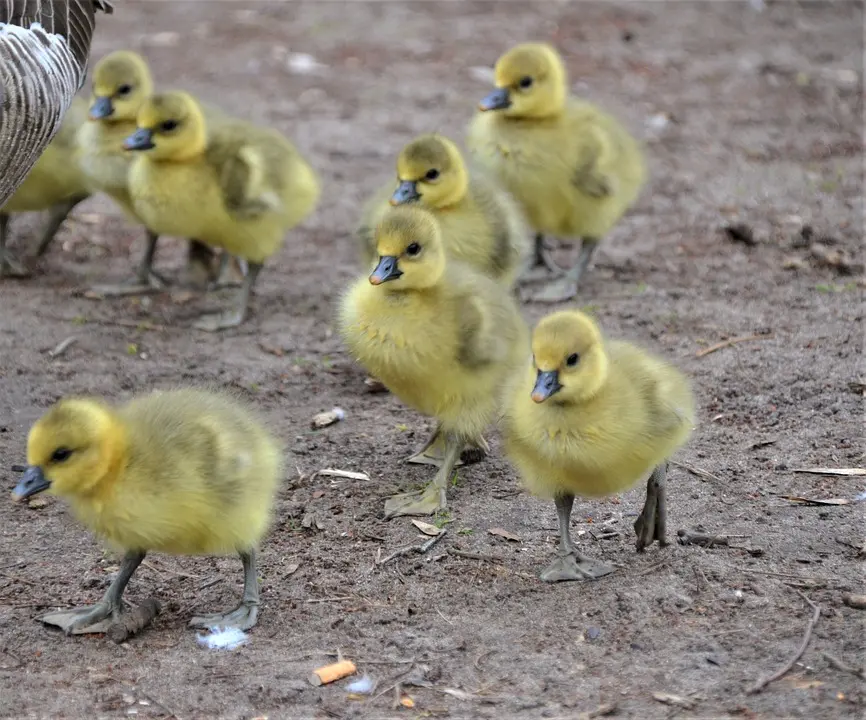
pixel 751 118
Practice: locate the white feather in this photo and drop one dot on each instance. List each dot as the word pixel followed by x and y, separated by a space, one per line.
pixel 223 638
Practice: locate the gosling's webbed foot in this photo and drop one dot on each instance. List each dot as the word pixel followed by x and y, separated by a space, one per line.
pixel 556 292
pixel 536 273
pixel 243 617
pixel 574 566
pixel 84 620
pixel 433 453
pixel 12 267
pixel 651 524
pixel 421 502
pixel 152 283
pixel 213 322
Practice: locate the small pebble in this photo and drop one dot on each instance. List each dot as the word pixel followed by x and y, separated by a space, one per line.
pixel 592 633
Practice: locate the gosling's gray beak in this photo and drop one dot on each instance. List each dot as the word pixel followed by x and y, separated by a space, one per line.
pixel 33 482
pixel 499 99
pixel 101 108
pixel 406 192
pixel 141 139
pixel 386 270
pixel 546 384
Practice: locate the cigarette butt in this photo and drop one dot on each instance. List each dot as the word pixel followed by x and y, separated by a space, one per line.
pixel 330 673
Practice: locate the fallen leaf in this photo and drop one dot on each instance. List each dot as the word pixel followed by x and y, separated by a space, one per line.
pixel 182 297
pixel 407 702
pixel 427 528
pixel 348 474
pixel 858 602
pixel 676 700
pixel 499 532
pixel 272 349
pixel 311 522
pixel 375 386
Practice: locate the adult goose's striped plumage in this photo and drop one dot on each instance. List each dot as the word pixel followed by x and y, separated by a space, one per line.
pixel 44 46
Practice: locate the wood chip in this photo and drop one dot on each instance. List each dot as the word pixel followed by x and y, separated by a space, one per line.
pixel 427 528
pixel 329 417
pixel 499 532
pixel 675 700
pixel 348 474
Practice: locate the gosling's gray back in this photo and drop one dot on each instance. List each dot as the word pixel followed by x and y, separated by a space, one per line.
pixel 44 46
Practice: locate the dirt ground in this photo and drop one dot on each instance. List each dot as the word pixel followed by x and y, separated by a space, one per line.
pixel 748 117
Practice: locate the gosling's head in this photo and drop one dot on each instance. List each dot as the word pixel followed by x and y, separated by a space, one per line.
pixel 411 256
pixel 430 170
pixel 531 82
pixel 569 356
pixel 171 126
pixel 71 450
pixel 121 83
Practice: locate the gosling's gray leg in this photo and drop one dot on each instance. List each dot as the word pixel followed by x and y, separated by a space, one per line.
pixel 225 275
pixel 540 264
pixel 571 564
pixel 98 618
pixel 651 524
pixel 245 615
pixel 434 497
pixel 566 288
pixel 232 318
pixel 199 263
pixel 56 216
pixel 9 266
pixel 433 451
pixel 146 279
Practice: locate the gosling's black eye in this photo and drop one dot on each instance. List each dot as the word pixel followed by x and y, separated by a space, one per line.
pixel 124 90
pixel 60 455
pixel 413 249
pixel 525 82
pixel 168 125
pixel 432 174
pixel 572 359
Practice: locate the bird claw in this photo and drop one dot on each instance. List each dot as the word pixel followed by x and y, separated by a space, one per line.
pixel 84 620
pixel 243 617
pixel 213 322
pixel 134 286
pixel 421 502
pixel 574 566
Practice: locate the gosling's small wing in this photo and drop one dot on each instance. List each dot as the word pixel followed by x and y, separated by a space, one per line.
pixel 44 46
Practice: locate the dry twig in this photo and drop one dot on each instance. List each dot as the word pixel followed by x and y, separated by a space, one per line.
pixel 699 472
pixel 844 667
pixel 807 636
pixel 62 347
pixel 474 556
pixel 732 341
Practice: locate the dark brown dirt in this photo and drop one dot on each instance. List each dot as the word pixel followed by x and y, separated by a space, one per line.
pixel 765 119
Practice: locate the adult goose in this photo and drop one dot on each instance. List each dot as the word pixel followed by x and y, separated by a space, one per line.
pixel 44 46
